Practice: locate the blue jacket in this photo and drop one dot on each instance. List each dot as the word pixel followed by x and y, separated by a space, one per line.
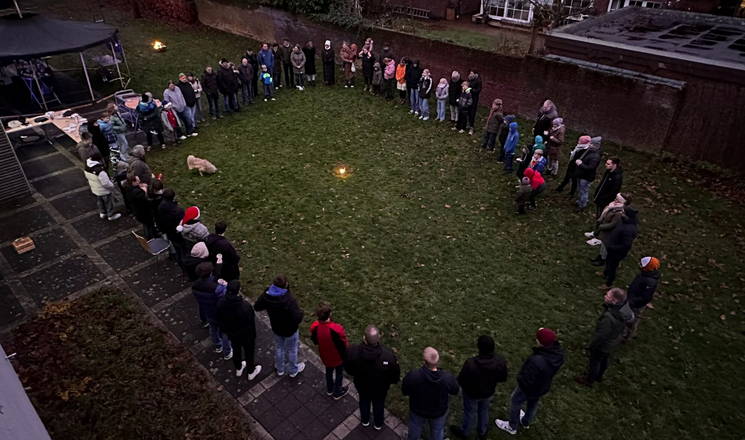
pixel 512 138
pixel 207 291
pixel 266 78
pixel 540 165
pixel 266 57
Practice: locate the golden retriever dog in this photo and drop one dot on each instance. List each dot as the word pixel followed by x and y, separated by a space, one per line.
pixel 203 165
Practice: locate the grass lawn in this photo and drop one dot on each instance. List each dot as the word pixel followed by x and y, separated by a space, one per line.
pixel 94 369
pixel 422 240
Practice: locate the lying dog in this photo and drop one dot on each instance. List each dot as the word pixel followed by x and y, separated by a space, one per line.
pixel 203 165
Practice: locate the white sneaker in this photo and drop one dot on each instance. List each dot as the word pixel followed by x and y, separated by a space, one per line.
pixel 421 117
pixel 195 134
pixel 115 217
pixel 522 414
pixel 280 374
pixel 255 373
pixel 239 373
pixel 411 111
pixel 352 86
pixel 594 242
pixel 470 132
pixel 416 113
pixel 425 118
pixel 461 131
pixel 504 425
pixel 228 356
pixel 265 100
pixel 182 137
pixel 300 368
pixel 590 234
pixel 218 350
pixel 273 99
pixel 102 215
pixel 301 88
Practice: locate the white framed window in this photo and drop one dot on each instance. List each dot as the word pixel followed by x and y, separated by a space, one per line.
pixel 618 4
pixel 574 7
pixel 510 10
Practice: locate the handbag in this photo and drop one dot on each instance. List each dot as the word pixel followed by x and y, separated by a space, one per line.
pixel 354 69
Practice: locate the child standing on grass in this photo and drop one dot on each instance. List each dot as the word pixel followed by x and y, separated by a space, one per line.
pixel 510 144
pixel 171 122
pixel 390 77
pixel 267 82
pixel 442 98
pixel 523 195
pixel 377 78
pixel 332 346
pixel 401 80
pixel 425 90
pixel 464 106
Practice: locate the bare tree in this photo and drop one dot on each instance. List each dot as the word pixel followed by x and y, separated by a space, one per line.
pixel 550 14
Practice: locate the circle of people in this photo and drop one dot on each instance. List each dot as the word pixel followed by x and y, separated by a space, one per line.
pixel 212 263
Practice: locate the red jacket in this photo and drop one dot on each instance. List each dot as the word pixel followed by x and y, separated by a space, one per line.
pixel 331 341
pixel 535 177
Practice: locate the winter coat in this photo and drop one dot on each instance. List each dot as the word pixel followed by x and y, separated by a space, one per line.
pixel 390 70
pixel 535 177
pixel 246 73
pixel 428 391
pixel 98 180
pixel 107 130
pixel 456 88
pixel 590 158
pixel 209 83
pixel 149 118
pixel 622 238
pixel 475 86
pixel 190 266
pixel 525 156
pixel 284 314
pixel 165 119
pixel 368 61
pixel 539 165
pixel 99 140
pixel 117 124
pixel 236 317
pixel 138 167
pixel 544 122
pixel 610 326
pixel 539 369
pixel 277 69
pixel 207 291
pixel 217 244
pixel 465 101
pixel 139 203
pixel 227 82
pixel 481 374
pixel 327 58
pixel 401 74
pixel 377 75
pixel 442 92
pixel 298 62
pixel 374 368
pixel 266 78
pixel 539 145
pixel 168 217
pixel 386 54
pixel 85 151
pixel 608 222
pixel 413 75
pixel 554 145
pixel 284 54
pixel 310 60
pixel 512 139
pixel 253 61
pixel 609 187
pixel 176 98
pixel 331 341
pixel 494 123
pixel 425 87
pixel 572 165
pixel 266 58
pixel 523 193
pixel 194 232
pixel 188 92
pixel 641 290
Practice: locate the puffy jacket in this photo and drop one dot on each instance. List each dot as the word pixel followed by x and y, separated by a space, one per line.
pixel 535 177
pixel 374 368
pixel 98 180
pixel 442 92
pixel 117 124
pixel 610 326
pixel 331 341
pixel 641 290
pixel 465 101
pixel 622 238
pixel 236 317
pixel 590 158
pixel 284 314
pixel 194 232
pixel 207 291
pixel 609 186
pixel 538 370
pixel 456 88
pixel 298 62
pixel 227 82
pixel 401 74
pixel 481 374
pixel 149 115
pixel 428 391
pixel 512 139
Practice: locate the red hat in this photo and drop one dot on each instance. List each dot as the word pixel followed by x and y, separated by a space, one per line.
pixel 584 140
pixel 192 213
pixel 545 336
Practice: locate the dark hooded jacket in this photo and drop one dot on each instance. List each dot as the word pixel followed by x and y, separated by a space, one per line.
pixel 480 375
pixel 188 91
pixel 310 60
pixel 284 314
pixel 246 73
pixel 590 158
pixel 622 238
pixel 207 291
pixel 428 391
pixel 209 82
pixel 236 317
pixel 609 187
pixel 544 122
pixel 609 327
pixel 227 81
pixel 168 217
pixel 140 205
pixel 368 61
pixel 413 75
pixel 475 86
pixel 538 370
pixel 374 368
pixel 456 88
pixel 327 58
pixel 217 244
pixel 284 53
pixel 641 290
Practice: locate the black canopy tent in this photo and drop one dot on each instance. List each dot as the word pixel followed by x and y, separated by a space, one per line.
pixel 36 36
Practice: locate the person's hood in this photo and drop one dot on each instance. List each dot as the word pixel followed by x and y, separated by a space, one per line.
pixel 90 163
pixel 233 299
pixel 529 173
pixel 509 119
pixel 618 171
pixel 553 355
pixel 539 140
pixel 214 238
pixel 596 141
pixel 631 215
pixel 486 361
pixel 376 66
pixel 145 106
pixel 455 76
pixel 371 352
pixel 622 312
pixel 513 125
pixel 276 291
pixel 432 376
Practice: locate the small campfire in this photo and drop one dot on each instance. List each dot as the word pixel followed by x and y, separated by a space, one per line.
pixel 158 46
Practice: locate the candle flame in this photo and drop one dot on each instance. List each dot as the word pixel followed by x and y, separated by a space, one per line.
pixel 157 45
pixel 342 171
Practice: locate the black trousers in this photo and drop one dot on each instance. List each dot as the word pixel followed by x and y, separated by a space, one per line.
pixel 567 179
pixel 598 365
pixel 247 343
pixel 612 260
pixel 289 75
pixel 378 409
pixel 536 192
pixel 472 110
pixel 334 385
pixel 389 88
pixel 462 120
pixel 149 137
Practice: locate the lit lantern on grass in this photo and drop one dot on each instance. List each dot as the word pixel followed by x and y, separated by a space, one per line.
pixel 342 171
pixel 158 46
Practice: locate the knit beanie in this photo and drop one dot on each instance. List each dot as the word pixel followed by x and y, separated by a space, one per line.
pixel 584 140
pixel 486 344
pixel 181 75
pixel 191 213
pixel 545 336
pixel 650 264
pixel 526 181
pixel 200 250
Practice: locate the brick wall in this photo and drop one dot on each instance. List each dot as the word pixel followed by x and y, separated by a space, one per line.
pixel 629 111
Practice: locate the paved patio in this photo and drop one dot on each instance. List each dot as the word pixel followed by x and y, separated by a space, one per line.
pixel 77 252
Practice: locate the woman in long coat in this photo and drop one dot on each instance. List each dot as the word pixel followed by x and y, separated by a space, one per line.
pixel 310 62
pixel 327 57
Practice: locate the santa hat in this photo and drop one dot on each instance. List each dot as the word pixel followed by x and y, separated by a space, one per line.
pixel 545 336
pixel 649 264
pixel 192 213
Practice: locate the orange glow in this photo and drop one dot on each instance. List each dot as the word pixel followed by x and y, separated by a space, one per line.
pixel 157 45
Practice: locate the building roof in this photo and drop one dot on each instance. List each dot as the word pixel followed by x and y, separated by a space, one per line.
pixel 686 36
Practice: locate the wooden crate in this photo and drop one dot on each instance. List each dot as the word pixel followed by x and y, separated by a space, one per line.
pixel 23 245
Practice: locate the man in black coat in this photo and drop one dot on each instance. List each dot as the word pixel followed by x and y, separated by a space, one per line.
pixel 254 62
pixel 620 243
pixel 227 84
pixel 218 244
pixel 478 378
pixel 534 380
pixel 374 368
pixel 610 185
pixel 474 81
pixel 284 316
pixel 136 192
pixel 167 218
pixel 235 316
pixel 428 388
pixel 641 292
pixel 587 162
pixel 210 89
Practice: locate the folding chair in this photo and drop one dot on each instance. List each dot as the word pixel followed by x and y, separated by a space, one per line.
pixel 155 247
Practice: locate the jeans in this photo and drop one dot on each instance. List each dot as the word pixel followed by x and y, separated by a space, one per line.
pixel 334 386
pixel 469 405
pixel 535 193
pixel 213 100
pixel 247 93
pixel 198 115
pixel 268 91
pixel 441 109
pixel 106 204
pixel 231 99
pixel 454 113
pixel 121 140
pixel 598 365
pixel 436 427
pixel 289 76
pixel 414 101
pixel 490 140
pixel 378 409
pixel 508 162
pixel 244 344
pixel 424 107
pixel 290 345
pixel 219 339
pixel 185 116
pixel 584 192
pixel 518 398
